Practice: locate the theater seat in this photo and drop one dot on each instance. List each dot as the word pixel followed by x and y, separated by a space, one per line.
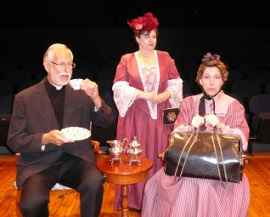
pixel 259 108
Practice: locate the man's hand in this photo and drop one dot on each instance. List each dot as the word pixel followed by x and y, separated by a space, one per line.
pixel 55 137
pixel 91 89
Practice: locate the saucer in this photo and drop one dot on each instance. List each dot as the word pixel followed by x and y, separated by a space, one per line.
pixel 76 133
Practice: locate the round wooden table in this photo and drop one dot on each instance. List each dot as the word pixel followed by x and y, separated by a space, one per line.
pixel 124 174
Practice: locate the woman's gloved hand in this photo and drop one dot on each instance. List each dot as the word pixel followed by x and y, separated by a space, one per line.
pixel 211 120
pixel 197 121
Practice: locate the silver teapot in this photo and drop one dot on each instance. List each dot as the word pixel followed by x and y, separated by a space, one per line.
pixel 134 152
pixel 117 149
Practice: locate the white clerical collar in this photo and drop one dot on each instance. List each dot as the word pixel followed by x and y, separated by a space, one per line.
pixel 57 87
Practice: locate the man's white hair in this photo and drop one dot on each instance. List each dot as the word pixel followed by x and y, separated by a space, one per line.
pixel 49 54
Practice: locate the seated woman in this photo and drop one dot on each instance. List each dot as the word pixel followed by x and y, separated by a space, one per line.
pixel 170 196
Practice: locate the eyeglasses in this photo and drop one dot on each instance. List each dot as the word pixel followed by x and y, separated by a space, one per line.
pixel 64 64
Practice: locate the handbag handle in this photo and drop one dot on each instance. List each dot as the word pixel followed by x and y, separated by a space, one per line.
pixel 242 156
pixel 188 151
pixel 180 157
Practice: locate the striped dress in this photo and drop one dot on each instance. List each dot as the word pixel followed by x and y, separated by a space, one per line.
pixel 169 196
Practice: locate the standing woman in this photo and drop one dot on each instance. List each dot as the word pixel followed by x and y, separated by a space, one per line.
pixel 146 82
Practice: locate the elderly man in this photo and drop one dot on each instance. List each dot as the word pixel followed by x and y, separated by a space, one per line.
pixel 47 155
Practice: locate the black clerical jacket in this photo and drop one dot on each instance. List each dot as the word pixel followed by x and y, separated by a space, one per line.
pixel 33 115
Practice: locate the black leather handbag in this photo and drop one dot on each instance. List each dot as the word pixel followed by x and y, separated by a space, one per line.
pixel 205 155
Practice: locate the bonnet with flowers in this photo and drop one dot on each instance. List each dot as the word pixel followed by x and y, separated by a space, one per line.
pixel 209 57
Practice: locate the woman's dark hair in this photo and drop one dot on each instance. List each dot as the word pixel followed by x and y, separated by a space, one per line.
pixel 137 34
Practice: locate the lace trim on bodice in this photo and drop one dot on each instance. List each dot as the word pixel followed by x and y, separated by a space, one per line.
pixel 124 96
pixel 150 76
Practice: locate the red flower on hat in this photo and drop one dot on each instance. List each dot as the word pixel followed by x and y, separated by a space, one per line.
pixel 145 23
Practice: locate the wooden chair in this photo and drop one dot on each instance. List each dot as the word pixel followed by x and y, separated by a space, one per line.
pixel 57 190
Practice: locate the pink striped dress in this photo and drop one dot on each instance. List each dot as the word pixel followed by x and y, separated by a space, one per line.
pixel 169 196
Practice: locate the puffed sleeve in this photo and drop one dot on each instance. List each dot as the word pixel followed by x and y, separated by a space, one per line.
pixel 185 115
pixel 235 123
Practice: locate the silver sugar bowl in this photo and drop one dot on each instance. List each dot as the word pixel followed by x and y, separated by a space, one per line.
pixel 134 152
pixel 117 149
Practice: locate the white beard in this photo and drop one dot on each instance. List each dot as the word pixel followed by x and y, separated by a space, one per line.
pixel 57 79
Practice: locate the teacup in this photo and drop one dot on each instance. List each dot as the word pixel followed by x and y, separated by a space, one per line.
pixel 76 84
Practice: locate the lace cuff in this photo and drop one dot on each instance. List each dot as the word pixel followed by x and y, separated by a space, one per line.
pixel 175 87
pixel 124 96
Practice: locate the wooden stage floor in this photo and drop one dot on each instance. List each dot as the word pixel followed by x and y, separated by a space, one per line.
pixel 257 170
